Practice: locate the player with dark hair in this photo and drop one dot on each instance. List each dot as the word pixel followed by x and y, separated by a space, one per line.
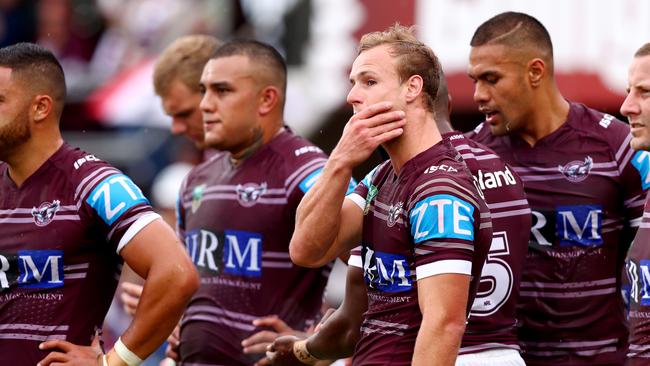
pixel 68 221
pixel 585 187
pixel 636 108
pixel 237 210
pixel 490 335
pixel 424 227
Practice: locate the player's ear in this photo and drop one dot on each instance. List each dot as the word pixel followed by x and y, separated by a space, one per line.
pixel 414 87
pixel 42 106
pixel 269 98
pixel 536 71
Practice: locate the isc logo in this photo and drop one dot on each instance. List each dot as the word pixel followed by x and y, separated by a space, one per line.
pixel 386 272
pixel 442 216
pixel 571 225
pixel 32 269
pixel 443 167
pixel 234 252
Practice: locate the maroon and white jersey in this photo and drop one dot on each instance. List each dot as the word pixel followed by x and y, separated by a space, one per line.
pixel 492 321
pixel 427 220
pixel 586 189
pixel 237 222
pixel 62 230
pixel 638 273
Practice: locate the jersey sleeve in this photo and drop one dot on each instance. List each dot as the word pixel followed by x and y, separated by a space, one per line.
pixel 443 218
pixel 115 204
pixel 360 193
pixel 355 259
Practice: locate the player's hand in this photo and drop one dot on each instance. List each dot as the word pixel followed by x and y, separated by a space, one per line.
pixel 280 352
pixel 130 297
pixel 365 131
pixel 66 353
pixel 173 341
pixel 258 342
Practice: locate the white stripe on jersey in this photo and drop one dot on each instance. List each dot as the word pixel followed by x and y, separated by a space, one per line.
pixel 443 266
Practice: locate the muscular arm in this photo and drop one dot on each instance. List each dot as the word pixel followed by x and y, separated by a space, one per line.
pixel 443 300
pixel 326 223
pixel 170 280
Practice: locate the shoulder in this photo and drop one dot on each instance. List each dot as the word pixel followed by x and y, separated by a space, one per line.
pixel 295 150
pixel 82 169
pixel 599 126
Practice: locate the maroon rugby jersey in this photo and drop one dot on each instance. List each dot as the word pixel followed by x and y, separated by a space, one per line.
pixel 492 321
pixel 237 222
pixel 638 272
pixel 428 220
pixel 585 187
pixel 61 232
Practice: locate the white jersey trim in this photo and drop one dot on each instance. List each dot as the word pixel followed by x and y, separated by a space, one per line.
pixel 357 199
pixel 355 261
pixel 135 228
pixel 457 266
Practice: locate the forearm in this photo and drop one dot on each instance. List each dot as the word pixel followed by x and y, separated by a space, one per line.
pixel 318 218
pixel 336 337
pixel 438 343
pixel 159 310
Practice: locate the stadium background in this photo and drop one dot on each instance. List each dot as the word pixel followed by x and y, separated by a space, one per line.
pixel 108 47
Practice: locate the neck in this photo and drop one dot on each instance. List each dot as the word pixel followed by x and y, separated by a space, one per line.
pixel 260 138
pixel 444 126
pixel 420 133
pixel 28 157
pixel 549 113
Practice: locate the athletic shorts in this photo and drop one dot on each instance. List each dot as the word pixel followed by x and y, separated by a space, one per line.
pixel 492 357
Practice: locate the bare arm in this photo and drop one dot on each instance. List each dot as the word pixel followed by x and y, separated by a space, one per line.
pixel 326 223
pixel 443 300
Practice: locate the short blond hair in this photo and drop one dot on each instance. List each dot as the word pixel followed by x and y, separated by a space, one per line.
pixel 643 51
pixel 184 60
pixel 413 57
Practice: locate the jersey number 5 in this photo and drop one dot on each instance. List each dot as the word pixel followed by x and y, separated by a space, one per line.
pixel 496 279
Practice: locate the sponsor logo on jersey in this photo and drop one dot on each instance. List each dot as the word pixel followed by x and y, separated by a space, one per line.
pixel 495 179
pixel 372 193
pixel 81 161
pixel 31 269
pixel 570 225
pixel 197 197
pixel 442 216
pixel 306 149
pixel 234 252
pixel 606 120
pixel 249 193
pixel 639 277
pixel 113 196
pixel 443 167
pixel 641 161
pixel 44 213
pixel 394 212
pixel 577 171
pixel 386 272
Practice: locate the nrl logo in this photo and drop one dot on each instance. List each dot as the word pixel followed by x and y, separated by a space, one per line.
pixel 197 196
pixel 372 192
pixel 44 214
pixel 577 171
pixel 393 213
pixel 249 193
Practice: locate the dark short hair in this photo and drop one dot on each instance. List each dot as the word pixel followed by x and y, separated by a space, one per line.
pixel 259 53
pixel 515 30
pixel 643 51
pixel 38 67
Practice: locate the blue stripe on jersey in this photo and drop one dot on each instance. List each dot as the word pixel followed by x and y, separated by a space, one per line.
pixel 351 186
pixel 113 196
pixel 310 180
pixel 442 216
pixel 641 161
pixel 367 180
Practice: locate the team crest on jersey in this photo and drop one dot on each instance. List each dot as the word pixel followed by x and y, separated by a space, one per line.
pixel 372 192
pixel 577 171
pixel 197 197
pixel 394 212
pixel 249 193
pixel 44 214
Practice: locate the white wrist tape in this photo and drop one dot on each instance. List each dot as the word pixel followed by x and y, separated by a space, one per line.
pixel 104 361
pixel 125 354
pixel 302 353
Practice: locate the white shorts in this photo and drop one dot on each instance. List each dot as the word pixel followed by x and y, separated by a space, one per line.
pixel 492 357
